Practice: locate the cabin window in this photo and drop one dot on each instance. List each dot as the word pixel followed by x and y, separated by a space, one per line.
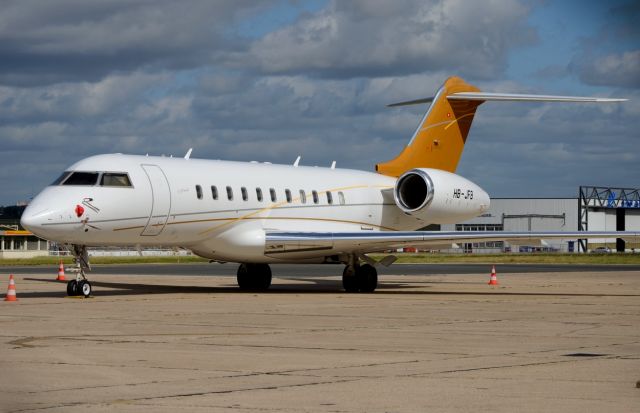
pixel 214 192
pixel 259 194
pixel 243 191
pixel 303 197
pixel 287 193
pixel 341 197
pixel 115 179
pixel 273 195
pixel 314 194
pixel 199 191
pixel 230 193
pixel 329 198
pixel 82 178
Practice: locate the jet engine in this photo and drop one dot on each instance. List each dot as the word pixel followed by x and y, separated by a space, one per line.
pixel 437 196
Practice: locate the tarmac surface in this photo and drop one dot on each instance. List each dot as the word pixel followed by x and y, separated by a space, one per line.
pixel 162 338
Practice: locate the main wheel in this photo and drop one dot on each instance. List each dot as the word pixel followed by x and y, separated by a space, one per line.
pixel 367 278
pixel 262 277
pixel 84 288
pixel 243 277
pixel 254 277
pixel 350 280
pixel 72 288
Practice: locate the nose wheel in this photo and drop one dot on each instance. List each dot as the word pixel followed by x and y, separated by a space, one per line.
pixel 79 288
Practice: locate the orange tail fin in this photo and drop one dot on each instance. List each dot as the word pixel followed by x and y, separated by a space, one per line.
pixel 439 140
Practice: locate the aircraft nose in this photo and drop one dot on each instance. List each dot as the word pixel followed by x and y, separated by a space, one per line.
pixel 33 217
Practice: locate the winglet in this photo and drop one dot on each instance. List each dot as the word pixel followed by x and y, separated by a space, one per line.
pixel 188 155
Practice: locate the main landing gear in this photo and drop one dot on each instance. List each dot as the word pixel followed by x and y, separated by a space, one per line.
pixel 254 277
pixel 356 278
pixel 360 278
pixel 80 286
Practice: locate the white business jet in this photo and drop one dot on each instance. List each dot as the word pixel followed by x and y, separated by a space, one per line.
pixel 258 213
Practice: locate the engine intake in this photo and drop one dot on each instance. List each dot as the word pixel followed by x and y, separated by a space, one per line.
pixel 413 191
pixel 436 196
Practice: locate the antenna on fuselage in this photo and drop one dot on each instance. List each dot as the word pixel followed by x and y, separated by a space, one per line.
pixel 188 155
pixel 297 161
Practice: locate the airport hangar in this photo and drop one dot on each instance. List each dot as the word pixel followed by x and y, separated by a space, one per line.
pixel 595 209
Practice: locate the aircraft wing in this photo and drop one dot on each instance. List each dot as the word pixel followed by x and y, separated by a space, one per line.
pixel 323 243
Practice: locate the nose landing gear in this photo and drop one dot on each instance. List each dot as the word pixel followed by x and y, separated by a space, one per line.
pixel 80 286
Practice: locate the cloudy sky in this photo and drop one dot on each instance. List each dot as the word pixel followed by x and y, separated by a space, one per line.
pixel 271 80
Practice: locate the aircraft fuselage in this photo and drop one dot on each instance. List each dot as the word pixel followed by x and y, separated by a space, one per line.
pixel 219 209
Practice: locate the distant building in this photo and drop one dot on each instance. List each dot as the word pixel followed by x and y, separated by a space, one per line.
pixel 596 209
pixel 21 244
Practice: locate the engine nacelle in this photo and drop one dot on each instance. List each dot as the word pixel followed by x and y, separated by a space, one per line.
pixel 439 197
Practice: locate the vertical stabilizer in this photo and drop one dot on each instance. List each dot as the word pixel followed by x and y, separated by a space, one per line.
pixel 439 140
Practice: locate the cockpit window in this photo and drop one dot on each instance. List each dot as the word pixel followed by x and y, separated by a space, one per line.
pixel 115 179
pixel 82 178
pixel 61 178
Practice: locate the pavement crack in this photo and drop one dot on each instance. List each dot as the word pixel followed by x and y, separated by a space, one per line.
pixel 506 366
pixel 247 389
pixel 23 342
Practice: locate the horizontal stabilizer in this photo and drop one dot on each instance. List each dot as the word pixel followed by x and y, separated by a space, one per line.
pixel 412 102
pixel 441 135
pixel 526 98
pixel 509 97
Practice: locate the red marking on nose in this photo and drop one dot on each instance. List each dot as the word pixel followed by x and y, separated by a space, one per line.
pixel 79 210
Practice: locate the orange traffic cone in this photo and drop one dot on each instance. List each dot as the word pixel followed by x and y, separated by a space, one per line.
pixel 60 272
pixel 493 280
pixel 11 291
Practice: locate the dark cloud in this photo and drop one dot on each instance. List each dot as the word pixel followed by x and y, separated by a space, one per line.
pixel 381 38
pixel 612 56
pixel 159 77
pixel 616 69
pixel 75 40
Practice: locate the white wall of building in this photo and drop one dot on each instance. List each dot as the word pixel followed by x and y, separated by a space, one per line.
pixel 546 214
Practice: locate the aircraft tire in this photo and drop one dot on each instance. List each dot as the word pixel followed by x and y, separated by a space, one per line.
pixel 367 278
pixel 84 288
pixel 262 277
pixel 254 277
pixel 350 281
pixel 72 288
pixel 243 277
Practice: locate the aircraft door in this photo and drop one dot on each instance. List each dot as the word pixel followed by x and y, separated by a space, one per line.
pixel 160 200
